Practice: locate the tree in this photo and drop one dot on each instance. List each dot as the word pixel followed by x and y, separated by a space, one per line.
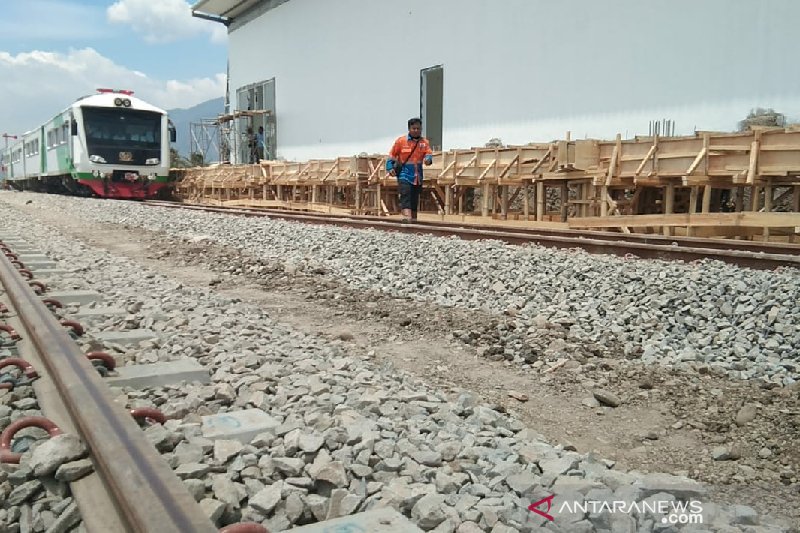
pixel 762 117
pixel 176 161
pixel 196 159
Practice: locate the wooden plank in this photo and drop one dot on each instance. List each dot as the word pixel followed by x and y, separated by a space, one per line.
pixel 743 219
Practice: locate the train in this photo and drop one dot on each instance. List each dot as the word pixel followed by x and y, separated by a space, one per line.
pixel 110 144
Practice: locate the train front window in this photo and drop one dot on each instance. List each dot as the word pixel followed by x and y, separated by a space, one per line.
pixel 121 128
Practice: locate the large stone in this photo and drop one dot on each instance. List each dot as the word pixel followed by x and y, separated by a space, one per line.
pixel 224 450
pixel 333 472
pixel 606 397
pixel 23 492
pixel 680 487
pixel 342 503
pixel 746 414
pixel 429 511
pixel 54 452
pixel 66 520
pixel 267 498
pixel 74 470
pixel 212 508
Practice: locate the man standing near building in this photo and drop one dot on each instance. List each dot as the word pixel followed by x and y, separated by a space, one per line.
pixel 405 162
pixel 260 143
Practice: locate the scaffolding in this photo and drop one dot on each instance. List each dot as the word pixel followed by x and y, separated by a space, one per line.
pixel 205 140
pixel 237 136
pixel 230 138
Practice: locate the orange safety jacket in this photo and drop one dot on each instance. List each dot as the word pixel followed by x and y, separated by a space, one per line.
pixel 406 152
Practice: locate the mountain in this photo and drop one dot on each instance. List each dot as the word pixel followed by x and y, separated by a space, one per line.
pixel 182 118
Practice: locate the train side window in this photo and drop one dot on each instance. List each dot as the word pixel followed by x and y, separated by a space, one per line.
pixel 74 127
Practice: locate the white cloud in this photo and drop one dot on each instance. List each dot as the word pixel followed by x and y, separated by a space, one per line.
pixel 36 85
pixel 164 21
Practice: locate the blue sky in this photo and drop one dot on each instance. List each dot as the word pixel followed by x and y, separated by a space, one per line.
pixel 54 51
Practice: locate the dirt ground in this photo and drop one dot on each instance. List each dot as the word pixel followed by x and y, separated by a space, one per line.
pixel 669 420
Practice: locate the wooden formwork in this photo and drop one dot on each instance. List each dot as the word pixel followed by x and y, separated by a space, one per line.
pixel 742 185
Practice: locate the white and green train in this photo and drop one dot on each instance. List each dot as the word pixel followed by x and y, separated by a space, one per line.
pixel 110 144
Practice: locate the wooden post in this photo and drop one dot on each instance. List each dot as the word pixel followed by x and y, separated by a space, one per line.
pixel 738 205
pixel 525 201
pixel 448 200
pixel 314 194
pixel 669 205
pixel 767 205
pixel 584 189
pixel 707 199
pixel 755 201
pixel 692 208
pixel 795 206
pixel 462 192
pixel 358 196
pixel 504 201
pixel 603 203
pixel 564 201
pixel 540 201
pixel 485 201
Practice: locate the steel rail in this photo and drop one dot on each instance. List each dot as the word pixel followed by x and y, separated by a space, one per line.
pixel 746 254
pixel 144 492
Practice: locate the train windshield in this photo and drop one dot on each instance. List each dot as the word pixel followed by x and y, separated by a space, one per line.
pixel 121 128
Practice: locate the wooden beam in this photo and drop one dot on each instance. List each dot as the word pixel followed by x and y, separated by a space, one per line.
pixel 646 159
pixel 526 201
pixel 743 219
pixel 492 163
pixel 540 200
pixel 508 167
pixel 707 198
pixel 751 168
pixel 612 164
pixel 669 205
pixel 697 161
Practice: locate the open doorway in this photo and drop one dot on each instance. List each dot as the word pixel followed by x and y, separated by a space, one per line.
pixel 256 104
pixel 431 96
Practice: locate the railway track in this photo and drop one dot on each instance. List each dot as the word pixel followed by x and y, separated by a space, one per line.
pixel 132 489
pixel 765 256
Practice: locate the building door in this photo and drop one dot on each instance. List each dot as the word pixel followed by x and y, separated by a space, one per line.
pixel 256 102
pixel 431 96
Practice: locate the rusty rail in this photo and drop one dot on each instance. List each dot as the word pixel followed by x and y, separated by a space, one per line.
pixel 134 489
pixel 765 256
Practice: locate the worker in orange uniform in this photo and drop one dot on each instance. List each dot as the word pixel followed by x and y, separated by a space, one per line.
pixel 405 161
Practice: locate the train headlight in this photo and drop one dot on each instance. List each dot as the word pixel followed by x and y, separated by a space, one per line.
pixel 152 161
pixel 117 102
pixel 97 159
pixel 126 102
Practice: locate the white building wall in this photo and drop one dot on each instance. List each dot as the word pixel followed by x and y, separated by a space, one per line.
pixel 347 71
